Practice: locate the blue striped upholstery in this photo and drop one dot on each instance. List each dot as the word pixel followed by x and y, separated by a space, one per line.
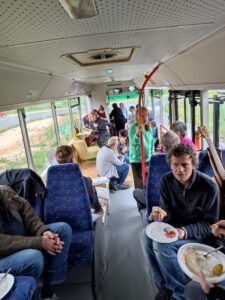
pixel 157 167
pixel 23 288
pixel 68 201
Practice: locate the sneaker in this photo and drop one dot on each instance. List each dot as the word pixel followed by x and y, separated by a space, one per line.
pixel 123 187
pixel 53 297
pixel 163 294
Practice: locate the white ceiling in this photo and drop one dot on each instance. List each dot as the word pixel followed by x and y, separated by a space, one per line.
pixel 36 33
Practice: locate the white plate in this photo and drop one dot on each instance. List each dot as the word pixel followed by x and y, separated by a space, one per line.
pixel 6 284
pixel 156 232
pixel 187 255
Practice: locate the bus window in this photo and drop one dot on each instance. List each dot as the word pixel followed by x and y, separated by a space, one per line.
pixel 64 124
pixel 222 127
pixel 12 153
pixel 41 134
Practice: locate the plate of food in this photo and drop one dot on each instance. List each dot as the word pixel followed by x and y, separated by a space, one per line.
pixel 191 260
pixel 6 284
pixel 161 232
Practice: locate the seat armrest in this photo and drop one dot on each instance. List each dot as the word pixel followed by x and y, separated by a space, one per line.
pixel 99 181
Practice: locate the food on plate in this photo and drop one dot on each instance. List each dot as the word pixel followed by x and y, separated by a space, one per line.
pixel 217 270
pixel 195 262
pixel 214 227
pixel 170 233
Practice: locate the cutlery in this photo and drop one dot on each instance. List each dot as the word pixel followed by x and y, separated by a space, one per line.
pixel 5 275
pixel 205 255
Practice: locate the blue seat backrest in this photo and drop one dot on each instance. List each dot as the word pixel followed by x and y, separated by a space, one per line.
pixel 204 162
pixel 157 167
pixel 68 201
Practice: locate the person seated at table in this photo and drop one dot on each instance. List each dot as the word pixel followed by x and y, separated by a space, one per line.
pixel 28 246
pixel 65 154
pixel 101 113
pixel 109 165
pixel 99 129
pixel 205 290
pixel 123 147
pixel 180 129
pixel 185 194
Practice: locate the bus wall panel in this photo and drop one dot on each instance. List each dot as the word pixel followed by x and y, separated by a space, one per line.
pixel 203 65
pixel 19 86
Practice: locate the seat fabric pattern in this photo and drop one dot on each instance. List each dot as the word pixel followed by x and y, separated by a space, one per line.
pixel 157 167
pixel 68 201
pixel 23 289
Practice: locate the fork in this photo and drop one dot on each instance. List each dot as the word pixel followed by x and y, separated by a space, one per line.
pixel 205 255
pixel 5 275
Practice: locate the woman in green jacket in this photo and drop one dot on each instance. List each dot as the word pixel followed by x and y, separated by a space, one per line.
pixel 135 149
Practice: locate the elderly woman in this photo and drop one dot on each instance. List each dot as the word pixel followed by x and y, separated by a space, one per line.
pixel 180 129
pixel 108 165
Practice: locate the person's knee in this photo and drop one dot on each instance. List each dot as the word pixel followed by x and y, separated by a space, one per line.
pixel 64 230
pixel 34 262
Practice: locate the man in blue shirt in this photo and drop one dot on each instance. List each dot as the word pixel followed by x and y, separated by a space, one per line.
pixel 189 201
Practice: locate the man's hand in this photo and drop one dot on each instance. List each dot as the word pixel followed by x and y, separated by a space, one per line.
pixel 206 286
pixel 52 244
pixel 157 214
pixel 220 230
pixel 125 149
pixel 181 233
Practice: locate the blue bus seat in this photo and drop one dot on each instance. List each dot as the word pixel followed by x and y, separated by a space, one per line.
pixel 157 167
pixel 68 201
pixel 23 288
pixel 204 164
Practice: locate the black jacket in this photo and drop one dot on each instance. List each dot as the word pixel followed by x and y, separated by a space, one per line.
pixel 193 208
pixel 28 185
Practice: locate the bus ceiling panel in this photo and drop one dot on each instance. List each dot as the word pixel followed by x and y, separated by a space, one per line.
pixel 202 65
pixel 26 21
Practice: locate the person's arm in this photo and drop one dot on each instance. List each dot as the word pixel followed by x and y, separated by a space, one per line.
pixel 201 229
pixel 10 244
pixel 31 221
pixel 111 157
pixel 133 135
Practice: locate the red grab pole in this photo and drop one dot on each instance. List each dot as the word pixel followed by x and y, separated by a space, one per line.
pixel 147 77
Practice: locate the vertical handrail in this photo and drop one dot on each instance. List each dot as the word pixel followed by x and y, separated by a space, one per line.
pixel 147 78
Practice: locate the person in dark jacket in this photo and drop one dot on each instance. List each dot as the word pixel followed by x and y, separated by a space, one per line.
pixel 205 290
pixel 65 154
pixel 99 132
pixel 189 201
pixel 117 117
pixel 29 247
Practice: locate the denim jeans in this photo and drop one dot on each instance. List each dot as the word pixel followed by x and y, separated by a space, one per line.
pixel 32 262
pixel 122 171
pixel 167 272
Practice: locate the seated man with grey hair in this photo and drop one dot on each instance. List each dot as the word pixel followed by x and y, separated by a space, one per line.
pixel 110 166
pixel 168 140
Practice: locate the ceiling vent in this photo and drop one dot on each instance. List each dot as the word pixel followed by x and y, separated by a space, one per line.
pixel 101 56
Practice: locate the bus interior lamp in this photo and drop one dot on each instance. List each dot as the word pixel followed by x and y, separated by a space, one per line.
pixel 79 9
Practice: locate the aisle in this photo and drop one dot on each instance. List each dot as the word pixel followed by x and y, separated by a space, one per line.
pixel 122 269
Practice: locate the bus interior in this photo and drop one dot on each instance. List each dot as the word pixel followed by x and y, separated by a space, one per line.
pixel 61 59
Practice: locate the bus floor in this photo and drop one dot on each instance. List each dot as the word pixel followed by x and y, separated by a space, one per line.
pixel 122 270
